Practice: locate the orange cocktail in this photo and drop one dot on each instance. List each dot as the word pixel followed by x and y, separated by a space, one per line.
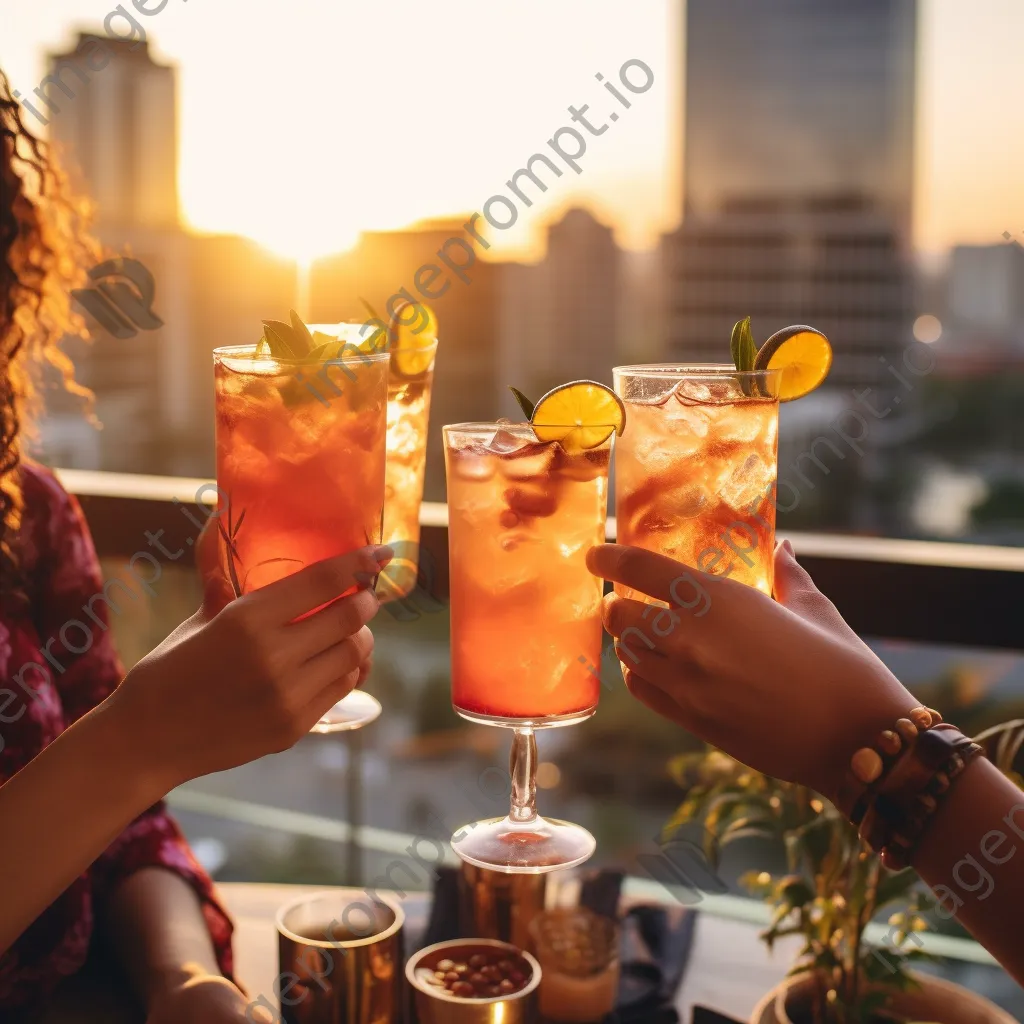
pixel 696 467
pixel 300 472
pixel 526 612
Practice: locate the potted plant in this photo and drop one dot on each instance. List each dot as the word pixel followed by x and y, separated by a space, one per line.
pixel 835 886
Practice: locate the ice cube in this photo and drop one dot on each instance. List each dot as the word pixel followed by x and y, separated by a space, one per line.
pixel 693 420
pixel 533 459
pixel 670 508
pixel 651 391
pixel 654 454
pixel 693 392
pixel 472 463
pixel 504 442
pixel 531 501
pixel 747 483
pixel 581 466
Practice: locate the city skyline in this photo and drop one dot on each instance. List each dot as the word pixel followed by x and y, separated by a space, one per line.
pixel 452 143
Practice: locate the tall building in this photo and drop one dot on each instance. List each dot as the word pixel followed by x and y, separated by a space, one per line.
pixel 798 177
pixel 986 291
pixel 583 281
pixel 112 109
pixel 384 264
pixel 560 317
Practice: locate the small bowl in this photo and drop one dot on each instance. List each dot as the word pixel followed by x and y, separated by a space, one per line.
pixel 438 1006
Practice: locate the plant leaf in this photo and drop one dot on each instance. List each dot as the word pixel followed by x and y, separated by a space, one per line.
pixel 684 767
pixel 734 344
pixel 742 346
pixel 279 338
pixel 748 351
pixel 300 332
pixel 894 887
pixel 524 403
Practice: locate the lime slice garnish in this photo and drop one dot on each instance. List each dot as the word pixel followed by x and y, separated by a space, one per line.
pixel 580 415
pixel 804 356
pixel 413 351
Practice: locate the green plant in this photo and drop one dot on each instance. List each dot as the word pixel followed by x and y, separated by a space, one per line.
pixel 835 885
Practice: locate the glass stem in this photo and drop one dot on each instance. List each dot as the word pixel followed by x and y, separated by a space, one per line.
pixel 522 766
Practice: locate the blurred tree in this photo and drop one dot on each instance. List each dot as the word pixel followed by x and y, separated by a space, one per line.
pixel 302 861
pixel 1003 505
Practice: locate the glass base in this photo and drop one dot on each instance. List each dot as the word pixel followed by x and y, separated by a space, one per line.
pixel 524 847
pixel 546 722
pixel 353 712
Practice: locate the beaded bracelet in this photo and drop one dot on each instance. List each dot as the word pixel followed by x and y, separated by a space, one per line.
pixel 893 788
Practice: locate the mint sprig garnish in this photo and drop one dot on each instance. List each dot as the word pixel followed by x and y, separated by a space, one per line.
pixel 744 351
pixel 288 341
pixel 524 403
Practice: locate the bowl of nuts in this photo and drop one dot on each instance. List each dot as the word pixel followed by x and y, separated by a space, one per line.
pixel 474 981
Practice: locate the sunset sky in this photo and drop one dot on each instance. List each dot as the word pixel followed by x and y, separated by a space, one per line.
pixel 377 115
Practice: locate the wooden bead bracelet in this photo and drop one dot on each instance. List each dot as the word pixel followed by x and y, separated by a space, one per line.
pixel 892 789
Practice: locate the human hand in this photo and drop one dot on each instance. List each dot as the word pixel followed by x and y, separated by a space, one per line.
pixel 234 683
pixel 199 999
pixel 784 686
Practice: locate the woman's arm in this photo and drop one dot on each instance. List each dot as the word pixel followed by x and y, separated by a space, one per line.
pixel 972 857
pixel 155 922
pixel 218 692
pixel 64 808
pixel 788 688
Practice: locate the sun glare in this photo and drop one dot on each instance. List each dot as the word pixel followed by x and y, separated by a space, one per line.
pixel 303 241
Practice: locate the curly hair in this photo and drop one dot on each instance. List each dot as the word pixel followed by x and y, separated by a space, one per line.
pixel 44 250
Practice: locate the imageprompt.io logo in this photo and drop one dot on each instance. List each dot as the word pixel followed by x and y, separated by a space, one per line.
pixel 122 308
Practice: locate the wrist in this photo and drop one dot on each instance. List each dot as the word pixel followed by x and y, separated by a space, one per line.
pixel 883 701
pixel 136 745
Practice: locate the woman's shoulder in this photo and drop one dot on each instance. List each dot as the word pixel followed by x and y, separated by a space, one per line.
pixel 40 487
pixel 43 495
pixel 48 511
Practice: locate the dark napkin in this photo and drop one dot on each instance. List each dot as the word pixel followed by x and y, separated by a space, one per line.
pixel 704 1015
pixel 654 951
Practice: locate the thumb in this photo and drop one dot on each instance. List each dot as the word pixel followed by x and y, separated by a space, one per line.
pixel 795 590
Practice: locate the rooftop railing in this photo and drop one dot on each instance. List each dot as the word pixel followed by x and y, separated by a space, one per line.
pixel 925 592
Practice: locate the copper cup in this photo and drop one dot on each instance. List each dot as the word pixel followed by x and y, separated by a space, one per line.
pixel 436 1006
pixel 499 905
pixel 341 958
pixel 579 955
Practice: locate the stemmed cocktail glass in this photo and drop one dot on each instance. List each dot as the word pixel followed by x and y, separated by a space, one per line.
pixel 525 615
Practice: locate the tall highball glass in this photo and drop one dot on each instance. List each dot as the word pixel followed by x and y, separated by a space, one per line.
pixel 696 467
pixel 300 471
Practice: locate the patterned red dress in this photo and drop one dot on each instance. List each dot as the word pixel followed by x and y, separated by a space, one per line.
pixel 53 687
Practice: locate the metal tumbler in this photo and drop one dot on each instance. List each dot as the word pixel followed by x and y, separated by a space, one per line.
pixel 341 958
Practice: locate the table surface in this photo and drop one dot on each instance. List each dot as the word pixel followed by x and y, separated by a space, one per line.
pixel 729 967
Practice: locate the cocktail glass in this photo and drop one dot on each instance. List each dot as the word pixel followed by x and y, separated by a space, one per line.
pixel 408 418
pixel 525 616
pixel 696 467
pixel 300 470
